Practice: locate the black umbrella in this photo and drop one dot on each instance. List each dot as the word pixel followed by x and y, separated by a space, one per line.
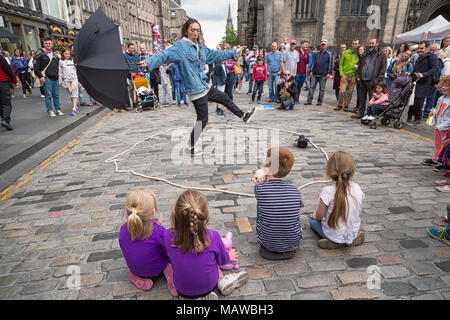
pixel 101 65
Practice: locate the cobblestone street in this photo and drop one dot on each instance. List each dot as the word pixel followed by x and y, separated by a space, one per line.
pixel 68 210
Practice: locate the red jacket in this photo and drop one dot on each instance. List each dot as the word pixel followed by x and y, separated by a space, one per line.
pixel 6 72
pixel 259 73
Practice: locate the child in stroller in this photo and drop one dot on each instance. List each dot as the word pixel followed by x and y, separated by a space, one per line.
pixel 379 101
pixel 146 99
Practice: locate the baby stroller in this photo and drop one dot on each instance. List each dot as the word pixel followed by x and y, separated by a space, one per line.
pixel 145 97
pixel 400 92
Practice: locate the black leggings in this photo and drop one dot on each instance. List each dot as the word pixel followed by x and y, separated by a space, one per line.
pixel 201 108
pixel 25 79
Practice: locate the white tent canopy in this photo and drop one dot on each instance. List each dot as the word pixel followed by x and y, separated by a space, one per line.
pixel 437 28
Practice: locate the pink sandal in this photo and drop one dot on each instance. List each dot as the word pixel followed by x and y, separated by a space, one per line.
pixel 140 283
pixel 168 273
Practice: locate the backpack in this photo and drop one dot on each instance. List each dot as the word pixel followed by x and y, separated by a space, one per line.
pixel 436 77
pixel 302 142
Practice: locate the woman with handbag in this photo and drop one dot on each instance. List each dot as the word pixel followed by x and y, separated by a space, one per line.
pixel 239 73
pixel 231 76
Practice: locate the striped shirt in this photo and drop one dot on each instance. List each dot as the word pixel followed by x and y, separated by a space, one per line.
pixel 278 224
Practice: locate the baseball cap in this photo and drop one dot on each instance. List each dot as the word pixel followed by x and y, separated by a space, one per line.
pixel 324 41
pixel 255 47
pixel 293 41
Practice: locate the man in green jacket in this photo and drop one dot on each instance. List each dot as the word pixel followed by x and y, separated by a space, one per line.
pixel 348 70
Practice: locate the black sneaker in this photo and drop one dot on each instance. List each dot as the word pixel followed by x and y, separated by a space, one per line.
pixel 307 103
pixel 6 125
pixel 249 115
pixel 439 168
pixel 429 162
pixel 319 103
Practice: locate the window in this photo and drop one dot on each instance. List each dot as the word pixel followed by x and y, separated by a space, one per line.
pixel 354 8
pixel 305 9
pixel 32 5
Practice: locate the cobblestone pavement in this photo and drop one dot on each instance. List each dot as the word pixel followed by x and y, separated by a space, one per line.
pixel 67 211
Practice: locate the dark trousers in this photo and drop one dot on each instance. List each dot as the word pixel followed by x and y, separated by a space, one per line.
pixel 365 90
pixel 201 108
pixel 25 79
pixel 250 85
pixel 5 102
pixel 416 109
pixel 258 88
pixel 229 84
pixel 155 86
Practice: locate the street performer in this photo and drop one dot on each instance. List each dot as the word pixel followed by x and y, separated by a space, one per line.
pixel 191 57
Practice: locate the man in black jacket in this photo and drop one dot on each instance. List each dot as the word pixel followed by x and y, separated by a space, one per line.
pixel 426 65
pixel 6 76
pixel 371 71
pixel 46 68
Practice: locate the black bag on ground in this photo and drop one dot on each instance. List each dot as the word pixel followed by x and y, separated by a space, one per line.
pixel 302 142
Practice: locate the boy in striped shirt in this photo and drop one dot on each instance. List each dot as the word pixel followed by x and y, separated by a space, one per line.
pixel 279 206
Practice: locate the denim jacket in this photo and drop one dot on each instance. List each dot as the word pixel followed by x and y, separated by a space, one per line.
pixel 191 60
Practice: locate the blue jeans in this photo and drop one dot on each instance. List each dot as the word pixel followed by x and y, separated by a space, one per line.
pixel 448 217
pixel 372 110
pixel 246 74
pixel 300 79
pixel 258 88
pixel 51 89
pixel 272 81
pixel 287 103
pixel 179 90
pixel 431 98
pixel 316 226
pixel 322 80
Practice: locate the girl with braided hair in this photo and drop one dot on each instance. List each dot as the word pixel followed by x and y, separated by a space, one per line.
pixel 337 219
pixel 141 241
pixel 196 252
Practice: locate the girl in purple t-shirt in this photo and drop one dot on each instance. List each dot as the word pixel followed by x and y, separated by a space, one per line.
pixel 141 241
pixel 196 252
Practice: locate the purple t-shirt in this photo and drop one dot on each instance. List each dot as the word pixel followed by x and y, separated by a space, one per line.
pixel 196 274
pixel 144 258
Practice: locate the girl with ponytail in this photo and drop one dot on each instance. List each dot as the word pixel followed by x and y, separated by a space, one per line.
pixel 196 252
pixel 141 241
pixel 337 219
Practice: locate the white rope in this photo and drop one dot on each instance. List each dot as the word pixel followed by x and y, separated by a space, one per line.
pixel 115 161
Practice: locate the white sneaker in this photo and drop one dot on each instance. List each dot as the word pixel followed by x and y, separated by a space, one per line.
pixel 51 113
pixel 59 112
pixel 232 281
pixel 365 118
pixel 211 296
pixel 371 118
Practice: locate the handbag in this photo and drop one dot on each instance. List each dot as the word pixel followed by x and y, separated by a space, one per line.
pixel 45 69
pixel 237 68
pixel 302 142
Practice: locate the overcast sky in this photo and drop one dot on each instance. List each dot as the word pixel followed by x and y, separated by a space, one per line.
pixel 212 15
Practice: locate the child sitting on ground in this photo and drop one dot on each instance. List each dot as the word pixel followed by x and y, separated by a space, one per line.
pixel 279 206
pixel 337 219
pixel 442 234
pixel 380 100
pixel 141 241
pixel 197 252
pixel 441 123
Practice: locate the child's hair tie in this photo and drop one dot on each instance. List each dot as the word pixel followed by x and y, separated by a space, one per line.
pixel 195 234
pixel 134 212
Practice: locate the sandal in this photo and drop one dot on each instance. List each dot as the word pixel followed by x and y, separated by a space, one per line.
pixel 443 182
pixel 443 189
pixel 140 283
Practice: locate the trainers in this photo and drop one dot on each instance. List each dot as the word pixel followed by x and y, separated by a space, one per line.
pixel 307 103
pixel 210 296
pixel 327 244
pixel 356 116
pixel 443 182
pixel 429 162
pixel 249 115
pixel 59 112
pixel 439 168
pixel 358 240
pixel 370 118
pixel 75 111
pixel 42 96
pixel 7 125
pixel 365 118
pixel 51 113
pixel 440 234
pixel 24 96
pixel 338 108
pixel 231 282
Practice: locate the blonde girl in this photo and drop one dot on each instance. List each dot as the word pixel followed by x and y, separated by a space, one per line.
pixel 337 219
pixel 141 241
pixel 68 78
pixel 196 251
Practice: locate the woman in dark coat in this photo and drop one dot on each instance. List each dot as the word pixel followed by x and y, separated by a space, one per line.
pixel 337 76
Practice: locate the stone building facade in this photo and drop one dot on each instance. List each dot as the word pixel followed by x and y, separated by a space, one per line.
pixel 262 22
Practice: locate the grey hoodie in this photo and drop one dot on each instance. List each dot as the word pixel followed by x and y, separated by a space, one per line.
pixel 442 123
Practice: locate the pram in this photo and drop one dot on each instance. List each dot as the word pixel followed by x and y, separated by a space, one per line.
pixel 400 92
pixel 145 97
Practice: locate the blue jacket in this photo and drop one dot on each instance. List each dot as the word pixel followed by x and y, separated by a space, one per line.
pixel 132 61
pixel 322 63
pixel 408 69
pixel 191 63
pixel 16 62
pixel 176 76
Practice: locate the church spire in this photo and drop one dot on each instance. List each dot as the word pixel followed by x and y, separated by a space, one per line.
pixel 229 19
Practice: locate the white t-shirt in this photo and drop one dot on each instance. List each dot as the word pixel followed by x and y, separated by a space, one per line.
pixel 344 233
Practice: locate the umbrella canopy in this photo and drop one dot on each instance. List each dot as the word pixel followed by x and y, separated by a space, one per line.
pixel 101 65
pixel 424 32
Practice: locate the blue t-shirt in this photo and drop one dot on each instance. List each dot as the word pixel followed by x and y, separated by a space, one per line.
pixel 278 226
pixel 273 61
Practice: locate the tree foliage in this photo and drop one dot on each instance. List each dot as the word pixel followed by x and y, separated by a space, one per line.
pixel 230 38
